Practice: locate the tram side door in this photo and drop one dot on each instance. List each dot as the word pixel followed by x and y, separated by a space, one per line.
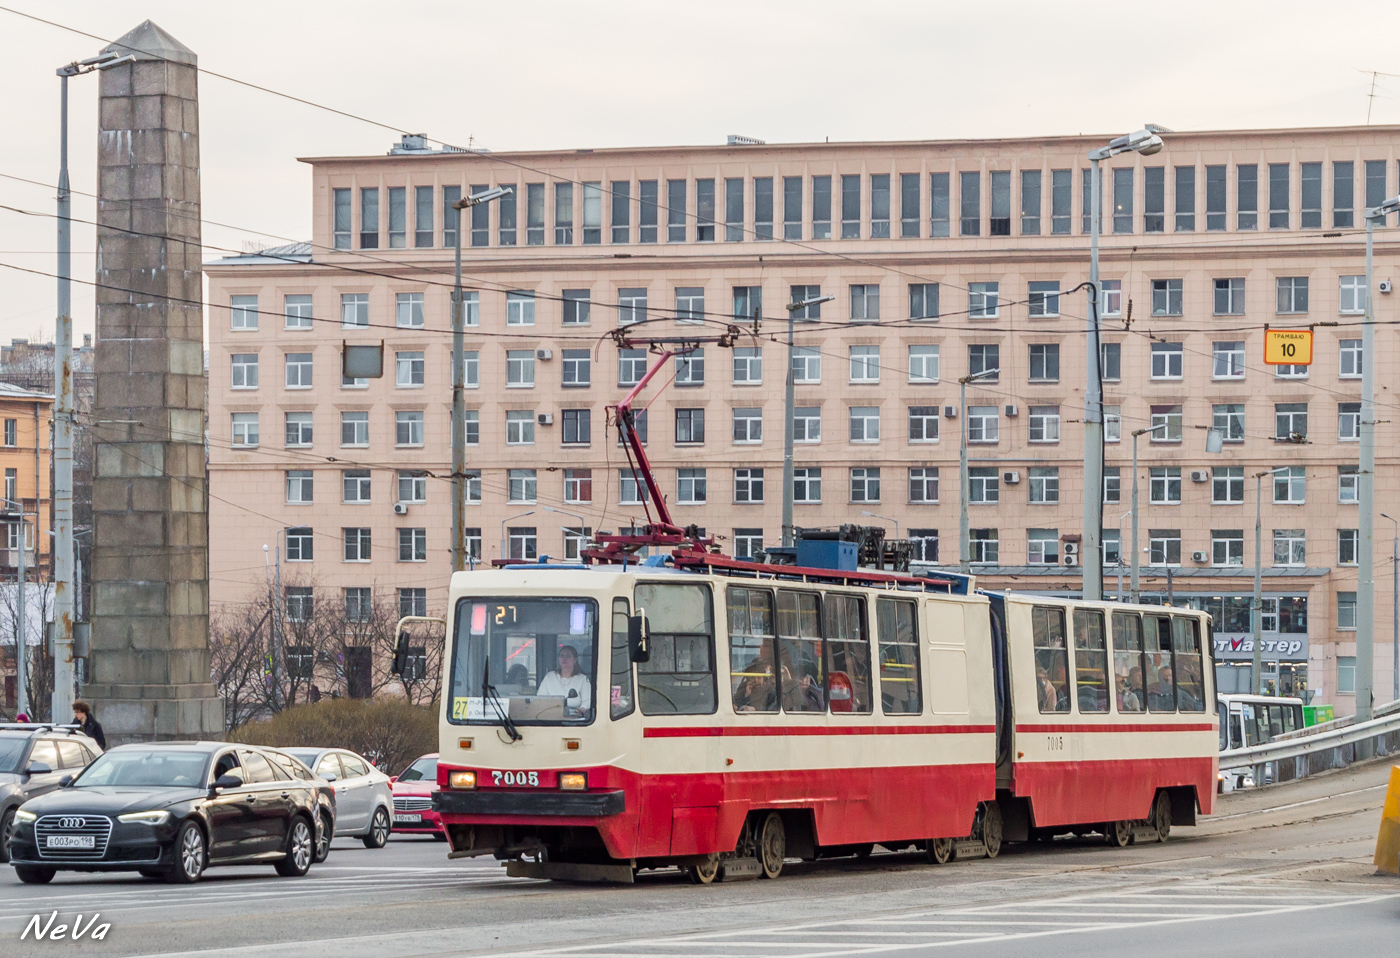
pixel 1001 687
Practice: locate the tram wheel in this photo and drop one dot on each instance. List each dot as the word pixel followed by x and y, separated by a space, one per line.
pixel 864 851
pixel 704 873
pixel 1162 816
pixel 991 829
pixel 940 850
pixel 772 846
pixel 1118 834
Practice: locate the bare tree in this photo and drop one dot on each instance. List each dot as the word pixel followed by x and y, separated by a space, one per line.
pixel 36 661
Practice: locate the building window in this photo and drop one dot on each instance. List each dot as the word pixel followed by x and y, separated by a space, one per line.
pixel 354 428
pixel 621 211
pixel 1030 202
pixel 245 429
pixel 300 486
pixel 243 312
pixel 821 207
pixel 356 484
pixel 522 542
pixel 1227 547
pixel 1045 362
pixel 923 423
pixel 1045 484
pixel 1229 297
pixel 923 300
pixel 983 300
pixel 1061 201
pixel 1043 546
pixel 748 425
pixel 850 206
pixel 369 219
pixel 340 204
pixel 1044 299
pixel 1227 484
pixel 1228 419
pixel 748 365
pixel 357 544
pixel 690 426
pixel 408 369
pixel 1347 491
pixel 471 308
pixel 577 368
pixel 1164 546
pixel 413 487
pixel 1290 547
pixel 1112 484
pixel 301 604
pixel 520 368
pixel 1349 421
pixel 593 212
pixel 521 485
pixel 748 485
pixel 675 211
pixel 1292 294
pixel 970 203
pixel 748 303
pixel 1348 541
pixel 1290 486
pixel 982 424
pixel 1352 291
pixel 576 538
pixel 865 424
pixel 408 427
pixel 299 371
pixel 413 601
pixel 1343 195
pixel 879 205
pixel 984 358
pixel 473 536
pixel 923 545
pixel 1278 196
pixel 472 420
pixel 1123 199
pixel 408 310
pixel 983 485
pixel 999 221
pixel 354 310
pixel 245 371
pixel 423 216
pixel 733 210
pixel 1169 419
pixel 748 544
pixel 398 217
pixel 300 547
pixel 865 485
pixel 631 366
pixel 923 363
pixel 792 208
pixel 1290 421
pixel 1216 188
pixel 807 485
pixel 1166 297
pixel 1246 196
pixel 1229 360
pixel 807 424
pixel 1167 361
pixel 690 304
pixel 1350 358
pixel 1164 485
pixel 865 364
pixel 690 486
pixel 806 365
pixel 298 429
pixel 578 485
pixel 1111 361
pixel 690 368
pixel 1112 423
pixel 1346 664
pixel 923 485
pixel 1110 297
pixel 1286 371
pixel 865 302
pixel 520 427
pixel 1376 191
pixel 1185 199
pixel 983 546
pixel 413 545
pixel 632 488
pixel 1045 424
pixel 1310 183
pixel 578 427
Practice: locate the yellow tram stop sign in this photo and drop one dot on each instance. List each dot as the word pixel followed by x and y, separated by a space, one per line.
pixel 1288 346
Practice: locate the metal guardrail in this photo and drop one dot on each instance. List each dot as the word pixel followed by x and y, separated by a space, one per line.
pixel 1310 744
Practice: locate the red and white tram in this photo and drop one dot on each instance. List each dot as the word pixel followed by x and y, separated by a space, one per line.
pixel 721 716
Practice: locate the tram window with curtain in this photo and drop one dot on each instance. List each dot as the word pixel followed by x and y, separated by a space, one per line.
pixel 1090 661
pixel 621 697
pixel 1051 659
pixel 1190 676
pixel 679 679
pixel 802 685
pixel 898 635
pixel 753 684
pixel 847 654
pixel 1161 683
pixel 1128 662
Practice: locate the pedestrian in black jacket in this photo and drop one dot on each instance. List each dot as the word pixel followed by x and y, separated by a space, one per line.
pixel 82 714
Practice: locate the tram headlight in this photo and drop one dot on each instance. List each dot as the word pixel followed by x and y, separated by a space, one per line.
pixel 462 780
pixel 573 781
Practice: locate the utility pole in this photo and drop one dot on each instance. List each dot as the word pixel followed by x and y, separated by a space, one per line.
pixel 964 483
pixel 789 533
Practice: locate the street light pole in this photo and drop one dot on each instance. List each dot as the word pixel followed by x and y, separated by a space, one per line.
pixel 21 578
pixel 1133 579
pixel 1257 604
pixel 874 515
pixel 1145 142
pixel 459 376
pixel 1394 609
pixel 964 546
pixel 503 530
pixel 789 429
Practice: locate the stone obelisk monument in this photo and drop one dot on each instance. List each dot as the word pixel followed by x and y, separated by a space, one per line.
pixel 149 665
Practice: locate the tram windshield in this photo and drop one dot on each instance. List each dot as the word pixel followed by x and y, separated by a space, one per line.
pixel 524 661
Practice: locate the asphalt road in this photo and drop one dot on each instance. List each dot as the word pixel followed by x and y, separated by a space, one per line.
pixel 1282 871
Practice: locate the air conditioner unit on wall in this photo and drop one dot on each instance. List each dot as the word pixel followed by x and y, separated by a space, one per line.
pixel 1011 478
pixel 1071 548
pixel 1200 557
pixel 545 418
pixel 1200 475
pixel 1011 411
pixel 400 508
pixel 543 354
pixel 1071 560
pixel 950 412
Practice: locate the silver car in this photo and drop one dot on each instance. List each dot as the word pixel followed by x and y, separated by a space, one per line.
pixel 35 759
pixel 364 801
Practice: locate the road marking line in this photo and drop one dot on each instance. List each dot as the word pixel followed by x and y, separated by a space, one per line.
pixel 1280 808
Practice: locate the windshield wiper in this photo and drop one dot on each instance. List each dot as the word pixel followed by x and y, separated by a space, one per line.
pixel 489 693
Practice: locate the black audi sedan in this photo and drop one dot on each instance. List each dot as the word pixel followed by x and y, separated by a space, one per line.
pixel 169 810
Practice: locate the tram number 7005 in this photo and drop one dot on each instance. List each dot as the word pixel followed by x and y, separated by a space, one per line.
pixel 1054 743
pixel 515 778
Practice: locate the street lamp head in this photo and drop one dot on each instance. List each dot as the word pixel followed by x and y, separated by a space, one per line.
pixel 794 307
pixel 485 196
pixel 984 374
pixel 1145 142
pixel 1391 205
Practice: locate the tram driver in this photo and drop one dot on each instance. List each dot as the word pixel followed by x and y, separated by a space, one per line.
pixel 567 682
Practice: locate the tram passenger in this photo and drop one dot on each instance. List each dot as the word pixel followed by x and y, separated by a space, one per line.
pixel 1049 698
pixel 1162 696
pixel 567 682
pixel 757 690
pixel 1130 693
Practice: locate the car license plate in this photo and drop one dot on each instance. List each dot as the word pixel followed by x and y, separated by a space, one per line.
pixel 408 818
pixel 72 841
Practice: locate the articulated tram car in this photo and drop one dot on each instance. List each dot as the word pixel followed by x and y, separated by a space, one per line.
pixel 604 719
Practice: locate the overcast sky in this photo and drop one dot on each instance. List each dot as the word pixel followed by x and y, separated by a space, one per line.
pixel 549 73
